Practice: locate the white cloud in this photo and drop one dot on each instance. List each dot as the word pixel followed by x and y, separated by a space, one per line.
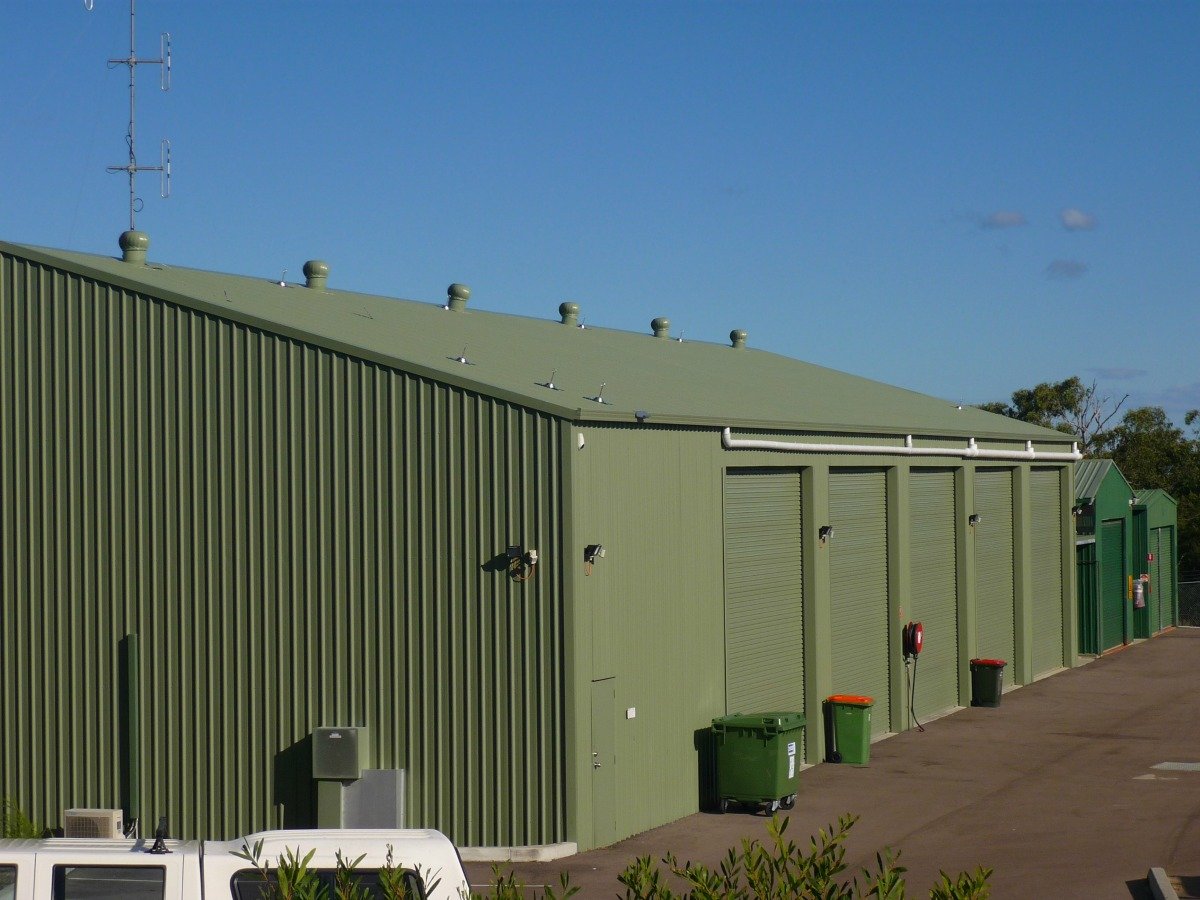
pixel 1077 220
pixel 1065 268
pixel 1004 218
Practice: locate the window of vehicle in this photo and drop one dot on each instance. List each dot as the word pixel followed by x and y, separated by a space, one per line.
pixel 8 882
pixel 109 882
pixel 248 884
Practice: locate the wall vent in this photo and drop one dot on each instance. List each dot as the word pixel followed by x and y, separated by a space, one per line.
pixel 93 823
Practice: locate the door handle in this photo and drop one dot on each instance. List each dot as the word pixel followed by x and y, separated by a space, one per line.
pixel 595 760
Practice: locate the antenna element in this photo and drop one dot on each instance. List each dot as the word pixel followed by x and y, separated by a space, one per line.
pixel 164 166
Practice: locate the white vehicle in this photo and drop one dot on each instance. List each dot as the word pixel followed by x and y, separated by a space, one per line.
pixel 129 869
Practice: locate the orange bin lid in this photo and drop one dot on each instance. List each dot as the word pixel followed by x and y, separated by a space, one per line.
pixel 851 700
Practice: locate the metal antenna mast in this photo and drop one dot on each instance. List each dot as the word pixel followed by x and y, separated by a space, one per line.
pixel 164 64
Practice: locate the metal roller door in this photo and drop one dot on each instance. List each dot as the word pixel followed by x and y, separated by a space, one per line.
pixel 1165 556
pixel 1045 507
pixel 1089 597
pixel 1112 583
pixel 858 588
pixel 764 593
pixel 934 589
pixel 993 543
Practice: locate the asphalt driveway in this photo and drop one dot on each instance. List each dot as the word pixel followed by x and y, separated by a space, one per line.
pixel 1073 787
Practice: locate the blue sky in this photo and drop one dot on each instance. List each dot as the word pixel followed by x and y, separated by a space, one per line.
pixel 960 198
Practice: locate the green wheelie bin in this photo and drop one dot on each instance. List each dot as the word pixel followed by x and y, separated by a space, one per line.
pixel 848 729
pixel 987 681
pixel 757 759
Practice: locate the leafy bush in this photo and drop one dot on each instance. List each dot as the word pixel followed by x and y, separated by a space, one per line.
pixel 780 868
pixel 15 824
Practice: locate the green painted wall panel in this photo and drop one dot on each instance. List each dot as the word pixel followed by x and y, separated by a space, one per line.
pixel 858 588
pixel 299 538
pixel 655 606
pixel 764 592
pixel 994 575
pixel 1046 564
pixel 1111 541
pixel 934 588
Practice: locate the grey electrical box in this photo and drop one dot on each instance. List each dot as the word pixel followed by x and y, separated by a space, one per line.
pixel 338 753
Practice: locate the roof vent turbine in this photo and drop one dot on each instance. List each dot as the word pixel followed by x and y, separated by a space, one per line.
pixel 457 297
pixel 316 274
pixel 569 312
pixel 661 326
pixel 737 339
pixel 134 245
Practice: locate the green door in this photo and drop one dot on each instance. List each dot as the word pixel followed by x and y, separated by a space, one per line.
pixel 1046 512
pixel 1089 600
pixel 934 591
pixel 858 587
pixel 1154 569
pixel 1163 574
pixel 992 542
pixel 604 762
pixel 764 593
pixel 1112 583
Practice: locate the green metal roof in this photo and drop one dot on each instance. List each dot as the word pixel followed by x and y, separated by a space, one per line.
pixel 1146 496
pixel 1090 474
pixel 513 358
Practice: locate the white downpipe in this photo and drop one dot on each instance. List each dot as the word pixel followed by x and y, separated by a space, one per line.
pixel 971 451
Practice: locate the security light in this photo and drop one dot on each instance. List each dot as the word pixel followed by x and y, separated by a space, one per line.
pixel 974 519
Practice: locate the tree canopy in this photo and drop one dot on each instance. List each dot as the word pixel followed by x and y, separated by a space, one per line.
pixel 1149 449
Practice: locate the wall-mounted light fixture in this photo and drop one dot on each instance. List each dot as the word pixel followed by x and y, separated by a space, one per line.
pixel 825 533
pixel 522 563
pixel 974 519
pixel 1077 511
pixel 641 415
pixel 591 553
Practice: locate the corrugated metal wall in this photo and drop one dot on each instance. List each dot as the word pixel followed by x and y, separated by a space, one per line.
pixel 299 538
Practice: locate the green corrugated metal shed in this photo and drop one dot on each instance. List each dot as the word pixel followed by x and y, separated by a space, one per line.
pixel 1156 546
pixel 1104 499
pixel 297 504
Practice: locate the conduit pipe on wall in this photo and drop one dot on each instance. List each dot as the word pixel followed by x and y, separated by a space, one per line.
pixel 971 451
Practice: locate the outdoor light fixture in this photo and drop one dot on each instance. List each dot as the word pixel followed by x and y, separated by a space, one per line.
pixel 825 532
pixel 1077 511
pixel 974 519
pixel 591 553
pixel 641 415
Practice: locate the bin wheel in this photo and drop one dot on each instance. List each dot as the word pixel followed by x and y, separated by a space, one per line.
pixel 724 805
pixel 772 806
pixel 835 757
pixel 788 802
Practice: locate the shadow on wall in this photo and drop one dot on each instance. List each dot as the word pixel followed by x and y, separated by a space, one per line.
pixel 706 769
pixel 295 789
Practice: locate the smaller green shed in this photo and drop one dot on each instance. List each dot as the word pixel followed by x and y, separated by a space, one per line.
pixel 1155 560
pixel 1103 528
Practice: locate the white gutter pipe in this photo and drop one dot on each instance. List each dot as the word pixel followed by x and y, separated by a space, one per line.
pixel 971 451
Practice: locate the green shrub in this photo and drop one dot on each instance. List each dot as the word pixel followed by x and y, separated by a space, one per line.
pixel 780 868
pixel 15 824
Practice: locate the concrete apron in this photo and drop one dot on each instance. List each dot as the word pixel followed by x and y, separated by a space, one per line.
pixel 1061 789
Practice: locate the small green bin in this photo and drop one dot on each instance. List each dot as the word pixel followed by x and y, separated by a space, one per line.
pixel 848 729
pixel 757 758
pixel 987 681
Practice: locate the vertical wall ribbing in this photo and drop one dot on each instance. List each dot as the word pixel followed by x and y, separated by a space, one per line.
pixel 299 537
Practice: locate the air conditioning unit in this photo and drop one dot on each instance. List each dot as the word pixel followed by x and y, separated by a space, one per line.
pixel 93 823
